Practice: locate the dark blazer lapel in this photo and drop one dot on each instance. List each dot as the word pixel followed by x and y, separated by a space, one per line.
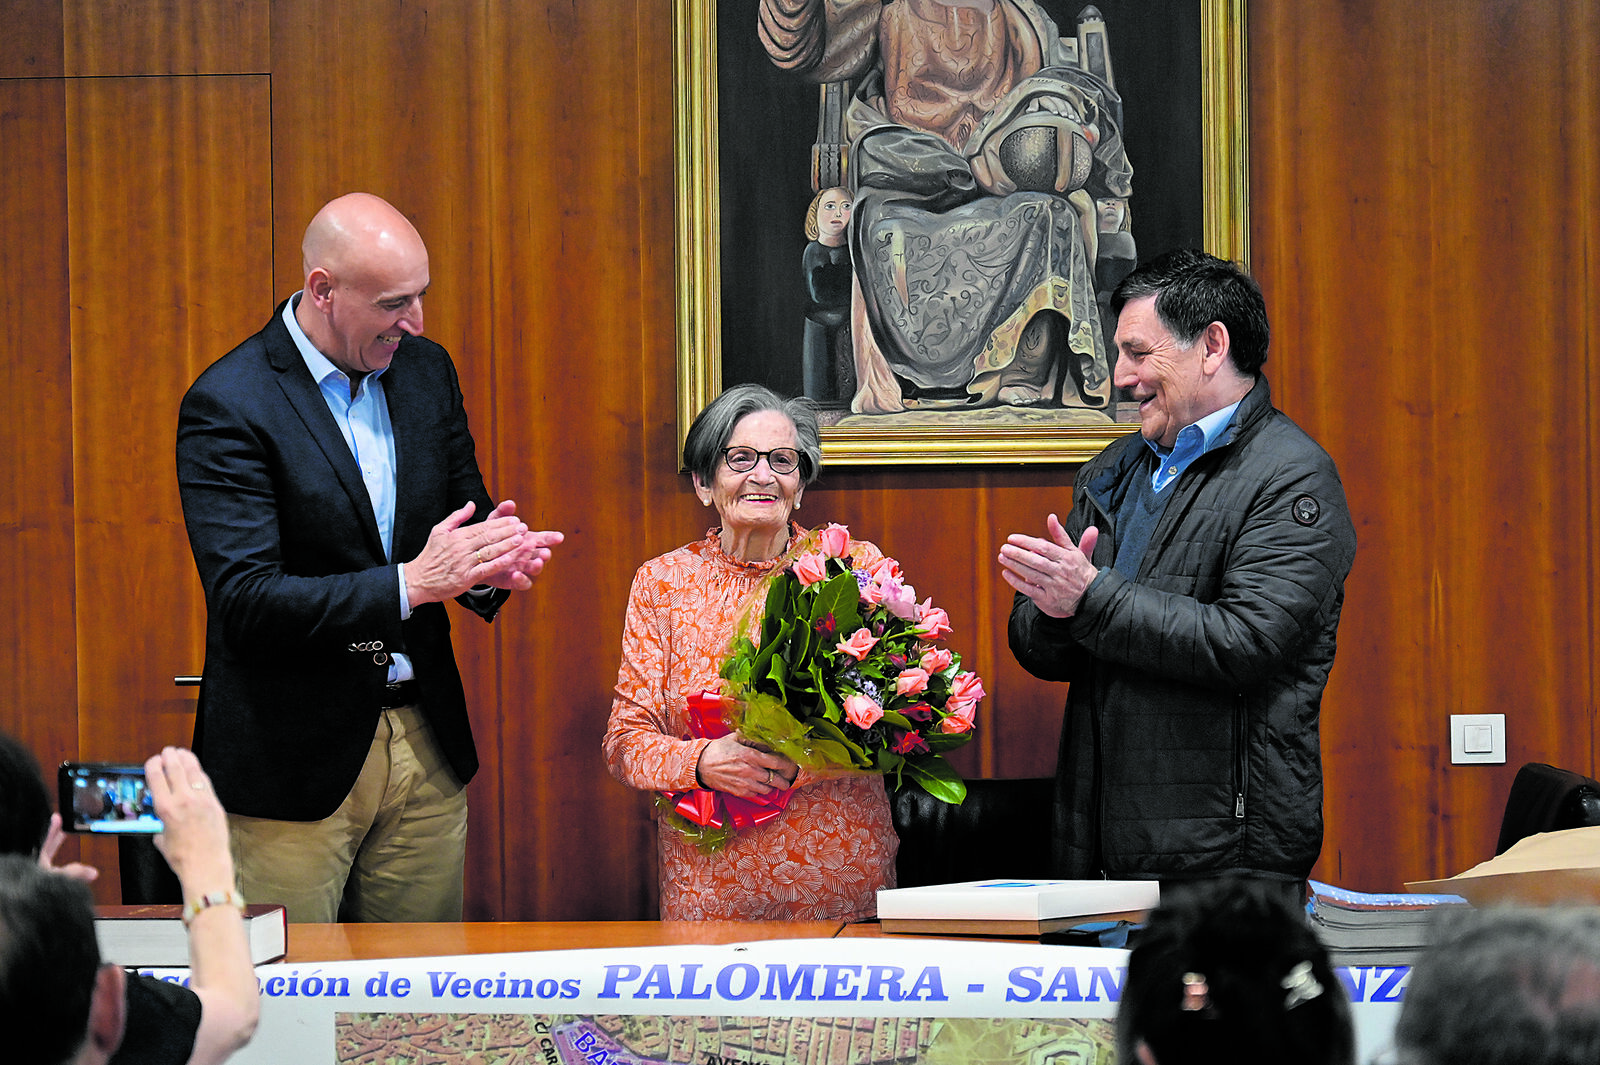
pixel 407 422
pixel 312 408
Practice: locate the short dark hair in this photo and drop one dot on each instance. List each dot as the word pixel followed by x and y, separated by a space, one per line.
pixel 702 447
pixel 1192 290
pixel 1227 970
pixel 24 802
pixel 1505 986
pixel 48 962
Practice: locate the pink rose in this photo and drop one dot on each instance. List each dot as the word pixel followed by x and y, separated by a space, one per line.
pixel 862 711
pixel 934 622
pixel 936 659
pixel 911 682
pixel 872 593
pixel 835 540
pixel 957 717
pixel 811 569
pixel 966 688
pixel 886 569
pixel 860 642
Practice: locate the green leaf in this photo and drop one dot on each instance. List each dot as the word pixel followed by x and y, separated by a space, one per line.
pixel 936 777
pixel 841 597
pixel 948 741
pixel 858 754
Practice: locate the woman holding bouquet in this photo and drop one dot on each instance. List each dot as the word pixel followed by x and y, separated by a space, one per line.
pixel 825 855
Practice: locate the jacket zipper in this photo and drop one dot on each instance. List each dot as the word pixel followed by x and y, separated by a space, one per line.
pixel 1240 758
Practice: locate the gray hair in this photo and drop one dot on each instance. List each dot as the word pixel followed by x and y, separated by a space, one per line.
pixel 1505 986
pixel 702 448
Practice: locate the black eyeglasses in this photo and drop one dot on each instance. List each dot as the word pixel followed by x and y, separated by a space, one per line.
pixel 744 459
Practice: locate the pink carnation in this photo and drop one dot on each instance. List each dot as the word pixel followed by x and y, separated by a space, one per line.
pixel 934 622
pixel 835 540
pixel 811 569
pixel 860 642
pixel 900 599
pixel 862 711
pixel 936 659
pixel 911 682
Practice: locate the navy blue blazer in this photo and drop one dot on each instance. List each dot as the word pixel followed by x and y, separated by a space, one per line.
pixel 302 605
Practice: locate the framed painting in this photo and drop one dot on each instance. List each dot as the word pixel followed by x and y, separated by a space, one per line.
pixel 915 211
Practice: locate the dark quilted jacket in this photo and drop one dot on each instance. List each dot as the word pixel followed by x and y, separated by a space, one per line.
pixel 1190 744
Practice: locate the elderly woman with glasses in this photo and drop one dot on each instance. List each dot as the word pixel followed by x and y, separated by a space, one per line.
pixel 751 454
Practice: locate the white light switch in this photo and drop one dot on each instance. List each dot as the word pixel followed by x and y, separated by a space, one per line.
pixel 1477 738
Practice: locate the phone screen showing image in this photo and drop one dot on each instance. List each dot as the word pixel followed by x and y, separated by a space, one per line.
pixel 102 797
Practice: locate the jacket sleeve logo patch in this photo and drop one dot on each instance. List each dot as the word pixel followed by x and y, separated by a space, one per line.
pixel 1306 510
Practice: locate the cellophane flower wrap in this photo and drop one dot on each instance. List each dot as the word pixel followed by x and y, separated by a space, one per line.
pixel 842 668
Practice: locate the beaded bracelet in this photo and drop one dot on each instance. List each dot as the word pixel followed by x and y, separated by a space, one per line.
pixel 194 907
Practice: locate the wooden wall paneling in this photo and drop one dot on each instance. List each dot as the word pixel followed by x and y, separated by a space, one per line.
pixel 1509 597
pixel 30 39
pixel 170 267
pixel 1583 122
pixel 583 335
pixel 121 38
pixel 38 682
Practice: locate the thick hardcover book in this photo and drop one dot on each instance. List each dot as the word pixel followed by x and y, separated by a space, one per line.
pixel 1013 907
pixel 154 936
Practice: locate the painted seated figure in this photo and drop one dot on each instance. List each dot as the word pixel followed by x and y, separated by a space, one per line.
pixel 979 142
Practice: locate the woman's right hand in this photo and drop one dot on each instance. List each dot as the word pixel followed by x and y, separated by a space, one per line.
pixel 726 764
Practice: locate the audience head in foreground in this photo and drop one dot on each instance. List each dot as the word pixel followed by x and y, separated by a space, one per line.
pixel 154 1021
pixel 57 1002
pixel 1505 987
pixel 1228 971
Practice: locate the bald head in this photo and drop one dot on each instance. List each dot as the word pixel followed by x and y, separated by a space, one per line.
pixel 355 230
pixel 366 271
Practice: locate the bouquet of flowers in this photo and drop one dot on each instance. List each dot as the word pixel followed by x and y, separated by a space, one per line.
pixel 838 668
pixel 843 669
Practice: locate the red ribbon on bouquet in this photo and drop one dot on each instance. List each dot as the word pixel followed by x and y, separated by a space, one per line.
pixel 706 807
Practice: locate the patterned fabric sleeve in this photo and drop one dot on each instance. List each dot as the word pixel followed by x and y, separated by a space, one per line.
pixel 641 746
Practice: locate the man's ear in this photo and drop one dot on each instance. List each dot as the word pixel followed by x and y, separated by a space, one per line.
pixel 108 1012
pixel 1215 347
pixel 319 287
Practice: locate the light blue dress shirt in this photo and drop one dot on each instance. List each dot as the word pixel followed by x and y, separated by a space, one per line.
pixel 1193 441
pixel 364 421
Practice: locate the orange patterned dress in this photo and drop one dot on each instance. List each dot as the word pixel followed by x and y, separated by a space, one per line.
pixel 829 851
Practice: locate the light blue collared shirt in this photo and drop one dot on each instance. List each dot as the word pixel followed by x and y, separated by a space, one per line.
pixel 1193 441
pixel 364 422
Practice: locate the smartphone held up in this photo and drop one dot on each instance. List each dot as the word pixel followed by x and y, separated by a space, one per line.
pixel 105 797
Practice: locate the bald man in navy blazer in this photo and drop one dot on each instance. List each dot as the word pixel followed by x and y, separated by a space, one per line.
pixel 333 502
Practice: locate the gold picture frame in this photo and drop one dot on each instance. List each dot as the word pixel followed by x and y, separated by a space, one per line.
pixel 951 436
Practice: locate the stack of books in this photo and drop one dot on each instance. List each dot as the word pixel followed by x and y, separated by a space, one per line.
pixel 1361 929
pixel 1013 907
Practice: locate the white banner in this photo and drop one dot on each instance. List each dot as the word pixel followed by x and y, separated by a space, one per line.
pixel 773 1002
